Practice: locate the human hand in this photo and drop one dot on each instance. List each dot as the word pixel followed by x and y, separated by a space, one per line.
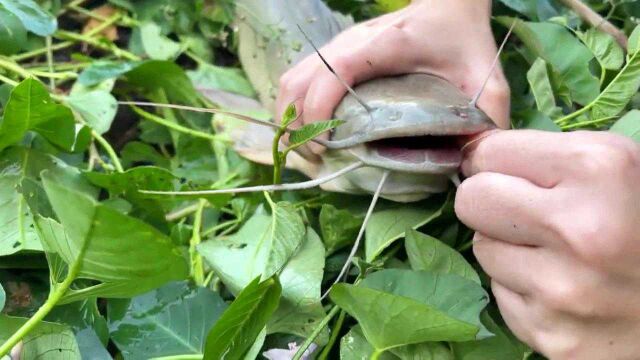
pixel 450 39
pixel 557 229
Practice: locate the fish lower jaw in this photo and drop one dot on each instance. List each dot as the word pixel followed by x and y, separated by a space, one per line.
pixel 421 161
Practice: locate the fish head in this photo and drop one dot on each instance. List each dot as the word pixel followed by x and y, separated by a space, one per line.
pixel 415 127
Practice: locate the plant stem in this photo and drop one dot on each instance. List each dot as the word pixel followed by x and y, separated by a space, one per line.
pixel 38 52
pixel 179 214
pixel 222 225
pixel 587 123
pixel 107 147
pixel 66 35
pixel 52 300
pixel 334 336
pixel 6 80
pixel 197 267
pixel 174 126
pixel 572 115
pixel 52 81
pixel 305 345
pixel 278 157
pixel 376 354
pixel 65 44
pixel 14 67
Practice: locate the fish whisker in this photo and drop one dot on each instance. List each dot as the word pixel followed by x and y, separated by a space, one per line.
pixel 278 187
pixel 356 244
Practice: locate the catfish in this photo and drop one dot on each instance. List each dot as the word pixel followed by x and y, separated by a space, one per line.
pixel 412 127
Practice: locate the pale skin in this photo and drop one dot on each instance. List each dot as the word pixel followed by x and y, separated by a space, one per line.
pixel 556 215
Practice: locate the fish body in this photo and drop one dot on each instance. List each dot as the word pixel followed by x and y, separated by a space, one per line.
pixel 414 126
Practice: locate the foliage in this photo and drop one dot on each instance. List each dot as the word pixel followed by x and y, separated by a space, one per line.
pixel 92 268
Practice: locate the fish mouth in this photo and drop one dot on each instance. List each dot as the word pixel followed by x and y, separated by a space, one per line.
pixel 443 150
pixel 429 154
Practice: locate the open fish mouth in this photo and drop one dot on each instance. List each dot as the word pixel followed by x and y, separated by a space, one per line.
pixel 442 150
pixel 428 154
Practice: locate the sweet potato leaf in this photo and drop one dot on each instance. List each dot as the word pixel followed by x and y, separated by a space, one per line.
pixel 403 307
pixel 32 16
pixel 239 326
pixel 173 320
pixel 128 259
pixel 430 254
pixel 31 108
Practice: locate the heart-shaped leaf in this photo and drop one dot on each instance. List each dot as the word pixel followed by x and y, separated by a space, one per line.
pixel 403 307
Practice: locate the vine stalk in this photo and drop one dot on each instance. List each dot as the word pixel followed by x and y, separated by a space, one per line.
pixel 54 297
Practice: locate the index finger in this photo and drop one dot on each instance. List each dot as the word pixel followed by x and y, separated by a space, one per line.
pixel 538 156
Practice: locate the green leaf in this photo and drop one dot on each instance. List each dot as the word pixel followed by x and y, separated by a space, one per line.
pixel 30 108
pixel 628 125
pixel 90 327
pixel 541 88
pixel 428 253
pixel 290 115
pixel 618 93
pixel 605 48
pixel 424 351
pixel 262 247
pixel 387 6
pixel 13 35
pixel 130 258
pixel 170 321
pixel 354 346
pixel 237 329
pixel 525 7
pixel 21 195
pixel 242 257
pixel 634 41
pixel 502 346
pixel 48 341
pixel 154 75
pixel 98 108
pixel 101 70
pixel 307 132
pixel 534 119
pixel 389 225
pixel 555 44
pixel 210 78
pixel 156 45
pixel 339 227
pixel 403 307
pixel 32 16
pixel 300 309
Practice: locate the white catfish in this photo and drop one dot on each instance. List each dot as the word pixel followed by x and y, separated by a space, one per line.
pixel 413 125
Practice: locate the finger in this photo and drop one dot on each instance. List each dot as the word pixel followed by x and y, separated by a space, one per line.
pixel 507 208
pixel 515 312
pixel 294 85
pixel 538 156
pixel 509 264
pixel 495 101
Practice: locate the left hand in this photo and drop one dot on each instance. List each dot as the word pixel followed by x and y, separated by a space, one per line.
pixel 557 220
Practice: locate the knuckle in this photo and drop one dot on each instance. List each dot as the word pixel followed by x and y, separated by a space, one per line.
pixel 563 295
pixel 595 241
pixel 612 157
